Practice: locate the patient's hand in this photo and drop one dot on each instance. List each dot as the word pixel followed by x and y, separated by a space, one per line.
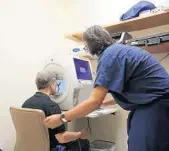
pixel 84 134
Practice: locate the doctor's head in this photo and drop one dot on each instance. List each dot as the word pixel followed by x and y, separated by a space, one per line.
pixel 46 81
pixel 97 39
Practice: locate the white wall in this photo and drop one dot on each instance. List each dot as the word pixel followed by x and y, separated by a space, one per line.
pixel 30 31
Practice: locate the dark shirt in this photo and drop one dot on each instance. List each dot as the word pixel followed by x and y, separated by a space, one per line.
pixel 132 75
pixel 43 102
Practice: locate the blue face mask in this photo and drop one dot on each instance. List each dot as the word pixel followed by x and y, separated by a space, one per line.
pixel 95 57
pixel 60 86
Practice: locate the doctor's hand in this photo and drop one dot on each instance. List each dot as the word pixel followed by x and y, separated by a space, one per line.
pixel 53 121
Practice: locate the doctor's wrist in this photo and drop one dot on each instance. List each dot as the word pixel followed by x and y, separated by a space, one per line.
pixel 63 119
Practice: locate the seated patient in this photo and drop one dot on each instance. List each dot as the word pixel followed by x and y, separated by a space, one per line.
pixel 46 85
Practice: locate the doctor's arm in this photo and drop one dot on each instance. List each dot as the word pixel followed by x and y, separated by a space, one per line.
pixel 94 102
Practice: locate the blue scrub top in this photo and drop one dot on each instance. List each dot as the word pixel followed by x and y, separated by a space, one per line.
pixel 132 75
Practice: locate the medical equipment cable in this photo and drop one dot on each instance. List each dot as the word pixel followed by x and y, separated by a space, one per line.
pixel 89 125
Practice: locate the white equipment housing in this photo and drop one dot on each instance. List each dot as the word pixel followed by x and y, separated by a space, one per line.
pixel 74 88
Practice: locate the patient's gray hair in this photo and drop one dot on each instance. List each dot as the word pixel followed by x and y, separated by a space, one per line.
pixel 97 39
pixel 44 78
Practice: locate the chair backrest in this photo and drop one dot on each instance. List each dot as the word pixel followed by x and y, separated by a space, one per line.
pixel 31 134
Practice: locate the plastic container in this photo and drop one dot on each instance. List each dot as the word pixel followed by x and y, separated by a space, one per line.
pixel 100 145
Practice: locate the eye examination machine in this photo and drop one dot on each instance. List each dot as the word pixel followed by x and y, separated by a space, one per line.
pixel 74 82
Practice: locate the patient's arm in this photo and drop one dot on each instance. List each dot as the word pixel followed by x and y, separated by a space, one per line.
pixel 66 136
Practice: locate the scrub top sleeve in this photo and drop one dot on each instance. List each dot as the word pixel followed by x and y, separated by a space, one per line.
pixel 110 74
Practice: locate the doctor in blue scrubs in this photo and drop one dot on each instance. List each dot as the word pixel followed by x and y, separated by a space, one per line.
pixel 137 82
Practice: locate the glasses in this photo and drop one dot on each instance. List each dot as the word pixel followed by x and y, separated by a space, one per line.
pixel 86 49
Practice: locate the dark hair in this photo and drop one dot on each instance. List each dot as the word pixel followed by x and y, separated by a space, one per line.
pixel 97 39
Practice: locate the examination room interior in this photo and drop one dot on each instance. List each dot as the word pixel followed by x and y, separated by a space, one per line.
pixel 31 31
